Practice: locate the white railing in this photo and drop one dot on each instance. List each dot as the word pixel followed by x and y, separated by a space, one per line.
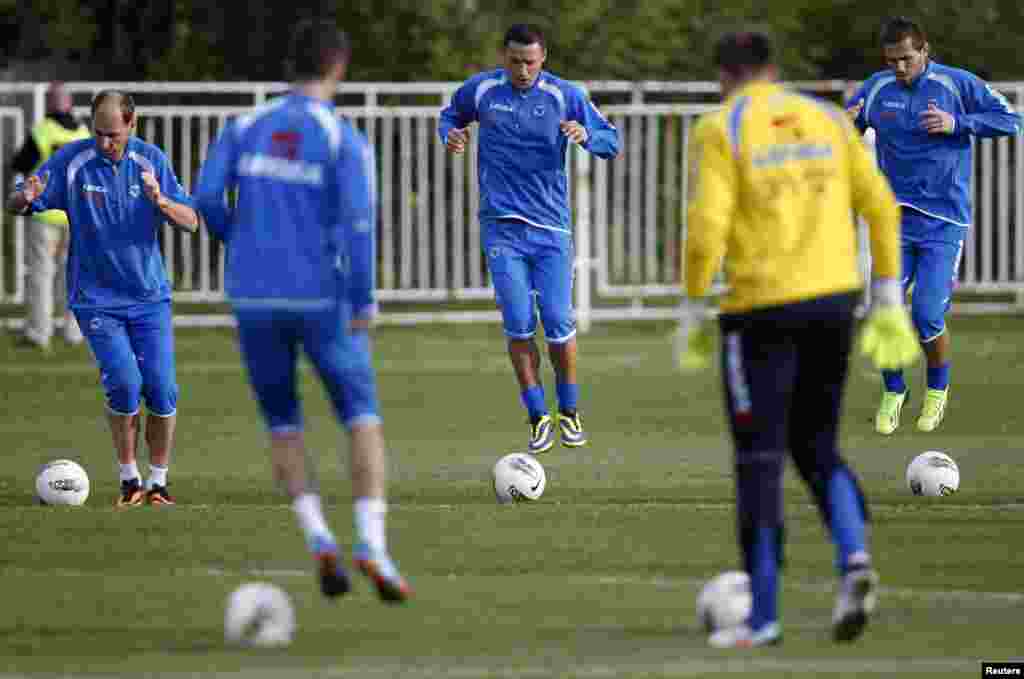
pixel 629 212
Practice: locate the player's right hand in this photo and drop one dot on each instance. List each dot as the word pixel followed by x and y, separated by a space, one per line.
pixel 888 338
pixel 457 140
pixel 855 110
pixel 34 187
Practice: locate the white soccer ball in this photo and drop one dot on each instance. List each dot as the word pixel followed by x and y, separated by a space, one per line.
pixel 62 482
pixel 724 601
pixel 933 473
pixel 518 477
pixel 259 614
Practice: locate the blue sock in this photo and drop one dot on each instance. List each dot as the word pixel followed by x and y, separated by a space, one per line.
pixel 533 399
pixel 764 577
pixel 938 378
pixel 568 396
pixel 846 518
pixel 894 381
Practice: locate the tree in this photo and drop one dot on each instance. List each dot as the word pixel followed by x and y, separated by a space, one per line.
pixel 409 40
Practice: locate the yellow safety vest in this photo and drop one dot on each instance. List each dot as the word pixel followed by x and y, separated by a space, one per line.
pixel 49 135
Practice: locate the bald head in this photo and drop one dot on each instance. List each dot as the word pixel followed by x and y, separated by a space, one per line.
pixel 113 122
pixel 58 100
pixel 114 103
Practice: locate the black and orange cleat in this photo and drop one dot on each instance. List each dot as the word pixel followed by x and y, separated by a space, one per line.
pixel 158 496
pixel 333 578
pixel 132 494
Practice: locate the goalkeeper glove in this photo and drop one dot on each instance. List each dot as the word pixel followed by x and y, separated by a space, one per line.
pixel 888 337
pixel 695 337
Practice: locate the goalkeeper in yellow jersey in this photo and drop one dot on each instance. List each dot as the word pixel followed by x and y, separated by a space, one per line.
pixel 776 177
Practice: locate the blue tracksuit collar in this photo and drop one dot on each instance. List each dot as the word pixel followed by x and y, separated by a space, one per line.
pixel 535 87
pixel 922 75
pixel 132 145
pixel 299 96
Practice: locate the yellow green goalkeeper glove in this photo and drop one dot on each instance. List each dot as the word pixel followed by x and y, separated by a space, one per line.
pixel 888 337
pixel 695 338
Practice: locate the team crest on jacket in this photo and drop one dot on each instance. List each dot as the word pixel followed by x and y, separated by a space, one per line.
pixel 135 190
pixel 538 110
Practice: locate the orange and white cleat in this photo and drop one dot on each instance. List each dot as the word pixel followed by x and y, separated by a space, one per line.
pixel 391 586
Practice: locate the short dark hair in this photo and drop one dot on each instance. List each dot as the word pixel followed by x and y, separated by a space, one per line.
pixel 738 51
pixel 897 29
pixel 524 34
pixel 316 46
pixel 123 98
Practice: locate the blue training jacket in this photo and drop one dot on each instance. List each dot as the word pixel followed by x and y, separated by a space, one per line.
pixel 931 173
pixel 522 150
pixel 301 235
pixel 114 258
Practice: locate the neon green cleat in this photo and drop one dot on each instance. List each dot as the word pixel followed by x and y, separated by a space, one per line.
pixel 542 435
pixel 571 427
pixel 887 419
pixel 933 409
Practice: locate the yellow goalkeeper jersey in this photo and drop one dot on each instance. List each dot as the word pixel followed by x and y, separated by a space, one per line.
pixel 775 179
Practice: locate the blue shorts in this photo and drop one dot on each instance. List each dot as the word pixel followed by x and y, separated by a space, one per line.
pixel 528 263
pixel 931 257
pixel 270 342
pixel 134 349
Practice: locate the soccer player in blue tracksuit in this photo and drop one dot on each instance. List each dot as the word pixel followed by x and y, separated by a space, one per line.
pixel 117 191
pixel 300 274
pixel 527 118
pixel 924 115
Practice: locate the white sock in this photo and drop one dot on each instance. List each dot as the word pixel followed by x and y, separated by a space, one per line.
pixel 369 515
pixel 157 476
pixel 311 518
pixel 130 471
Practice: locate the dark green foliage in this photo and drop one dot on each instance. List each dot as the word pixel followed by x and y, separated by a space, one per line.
pixel 406 40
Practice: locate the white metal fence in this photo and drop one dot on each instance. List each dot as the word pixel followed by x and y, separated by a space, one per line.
pixel 629 212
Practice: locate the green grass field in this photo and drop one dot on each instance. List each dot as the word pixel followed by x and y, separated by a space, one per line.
pixel 597 579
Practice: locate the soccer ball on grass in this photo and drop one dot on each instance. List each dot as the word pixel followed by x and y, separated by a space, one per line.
pixel 518 477
pixel 724 601
pixel 62 482
pixel 933 473
pixel 259 614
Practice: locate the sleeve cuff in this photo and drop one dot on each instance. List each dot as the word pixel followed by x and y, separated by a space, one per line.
pixel 364 310
pixel 33 207
pixel 886 292
pixel 590 139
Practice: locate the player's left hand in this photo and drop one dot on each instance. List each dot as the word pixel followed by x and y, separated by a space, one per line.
pixel 574 131
pixel 360 324
pixel 936 121
pixel 151 186
pixel 695 347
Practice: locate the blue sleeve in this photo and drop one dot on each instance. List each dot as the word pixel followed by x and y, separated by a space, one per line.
pixel 356 176
pixel 217 177
pixel 55 196
pixel 461 111
pixel 988 113
pixel 861 121
pixel 169 184
pixel 602 137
